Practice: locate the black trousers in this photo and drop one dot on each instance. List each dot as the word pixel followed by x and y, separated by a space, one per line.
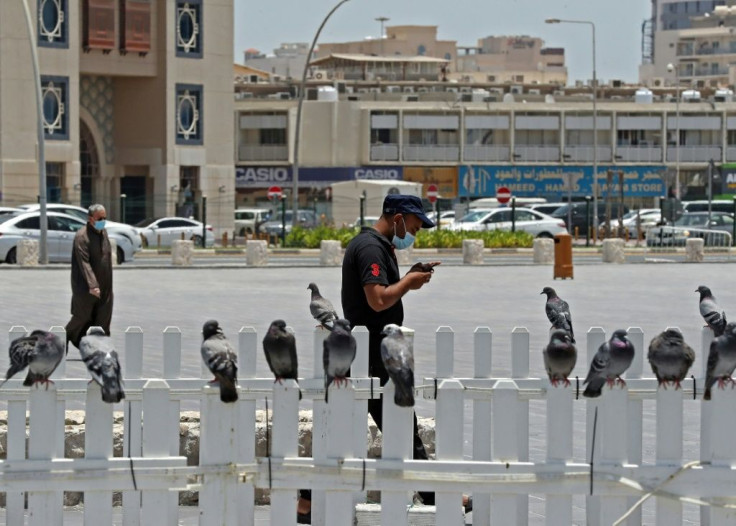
pixel 88 311
pixel 375 408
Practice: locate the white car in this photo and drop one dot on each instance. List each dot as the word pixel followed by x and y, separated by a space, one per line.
pixel 648 217
pixel 59 236
pixel 447 217
pixel 163 231
pixel 81 213
pixel 535 223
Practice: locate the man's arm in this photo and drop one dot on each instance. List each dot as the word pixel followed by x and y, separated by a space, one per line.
pixel 381 297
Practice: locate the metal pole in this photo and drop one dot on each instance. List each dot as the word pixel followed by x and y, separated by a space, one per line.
pixel 204 221
pixel 710 188
pixel 595 141
pixel 677 135
pixel 587 220
pixel 513 214
pixel 362 209
pixel 437 212
pixel 300 103
pixel 122 207
pixel 569 202
pixel 733 234
pixel 43 254
pixel 382 19
pixel 283 221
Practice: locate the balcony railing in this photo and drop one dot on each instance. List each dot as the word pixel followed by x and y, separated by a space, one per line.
pixel 639 154
pixel 384 152
pixel 691 154
pixel 433 152
pixel 536 154
pixel 264 152
pixel 585 153
pixel 486 152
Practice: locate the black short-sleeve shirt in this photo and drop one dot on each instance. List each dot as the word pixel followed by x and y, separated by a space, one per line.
pixel 369 258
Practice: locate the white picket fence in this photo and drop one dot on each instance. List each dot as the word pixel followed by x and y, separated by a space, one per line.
pixel 500 475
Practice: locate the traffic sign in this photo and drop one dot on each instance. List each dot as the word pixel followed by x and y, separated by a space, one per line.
pixel 274 192
pixel 503 195
pixel 432 193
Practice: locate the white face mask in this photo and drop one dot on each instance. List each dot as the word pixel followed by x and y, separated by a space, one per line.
pixel 401 243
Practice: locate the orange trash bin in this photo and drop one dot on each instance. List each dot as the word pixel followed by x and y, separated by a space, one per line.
pixel 563 256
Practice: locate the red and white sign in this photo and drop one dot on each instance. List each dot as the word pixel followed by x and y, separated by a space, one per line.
pixel 432 193
pixel 503 195
pixel 274 192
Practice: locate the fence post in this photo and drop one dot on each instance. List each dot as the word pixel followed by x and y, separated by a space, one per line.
pixel 669 448
pixel 449 447
pixel 319 426
pixel 558 508
pixel 398 428
pixel 43 509
pixel 97 445
pixel 339 506
pixel 595 337
pixel 246 423
pixel 15 500
pixel 706 413
pixel 445 352
pixel 360 370
pixel 520 369
pixel 612 435
pixel 172 370
pixel 636 412
pixel 284 443
pixel 482 355
pixel 722 432
pixel 133 414
pixel 506 446
pixel 60 374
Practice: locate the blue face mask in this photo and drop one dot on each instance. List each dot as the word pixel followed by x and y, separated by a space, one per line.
pixel 402 243
pixel 100 225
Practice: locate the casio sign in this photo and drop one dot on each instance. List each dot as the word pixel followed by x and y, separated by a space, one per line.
pixel 376 173
pixel 263 174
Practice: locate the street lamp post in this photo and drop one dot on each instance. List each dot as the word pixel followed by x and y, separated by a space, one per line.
pixel 382 20
pixel 671 68
pixel 595 119
pixel 300 103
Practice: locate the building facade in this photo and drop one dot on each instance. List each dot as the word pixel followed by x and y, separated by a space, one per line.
pixel 137 105
pixel 287 60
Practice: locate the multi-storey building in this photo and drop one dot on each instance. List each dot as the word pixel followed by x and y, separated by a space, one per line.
pixel 137 102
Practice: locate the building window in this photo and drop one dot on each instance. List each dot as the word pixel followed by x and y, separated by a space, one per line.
pixel 54 182
pixel 98 25
pixel 55 95
pixel 189 28
pixel 135 26
pixel 53 29
pixel 421 50
pixel 189 114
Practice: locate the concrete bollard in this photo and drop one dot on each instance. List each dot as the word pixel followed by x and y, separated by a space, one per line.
pixel 26 254
pixel 613 251
pixel 405 256
pixel 694 250
pixel 113 251
pixel 472 251
pixel 256 253
pixel 181 252
pixel 544 251
pixel 330 253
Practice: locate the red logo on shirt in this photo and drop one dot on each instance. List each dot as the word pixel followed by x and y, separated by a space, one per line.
pixel 375 269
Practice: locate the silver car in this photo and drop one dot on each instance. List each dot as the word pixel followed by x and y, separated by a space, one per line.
pixel 164 230
pixel 60 236
pixel 535 223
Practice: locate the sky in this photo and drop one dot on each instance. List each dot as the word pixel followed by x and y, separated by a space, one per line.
pixel 264 25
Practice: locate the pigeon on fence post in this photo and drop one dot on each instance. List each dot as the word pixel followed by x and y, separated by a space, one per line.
pixel 609 363
pixel 279 346
pixel 40 351
pixel 670 357
pixel 558 312
pixel 714 316
pixel 721 360
pixel 338 355
pixel 99 355
pixel 398 358
pixel 560 356
pixel 219 356
pixel 322 309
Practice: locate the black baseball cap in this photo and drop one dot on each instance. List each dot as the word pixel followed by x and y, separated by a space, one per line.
pixel 406 204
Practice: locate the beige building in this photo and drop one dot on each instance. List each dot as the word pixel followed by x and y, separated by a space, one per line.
pixel 137 101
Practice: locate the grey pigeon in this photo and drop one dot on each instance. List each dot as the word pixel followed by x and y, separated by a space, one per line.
pixel 721 360
pixel 40 351
pixel 560 356
pixel 221 360
pixel 670 357
pixel 338 354
pixel 714 316
pixel 558 312
pixel 322 309
pixel 609 363
pixel 99 355
pixel 279 346
pixel 398 358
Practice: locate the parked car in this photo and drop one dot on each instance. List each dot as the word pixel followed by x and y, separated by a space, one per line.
pixel 546 208
pixel 648 217
pixel 583 223
pixel 81 213
pixel 248 220
pixel 59 236
pixel 168 229
pixel 4 210
pixel 369 221
pixel 447 217
pixel 272 227
pixel 692 225
pixel 718 205
pixel 535 223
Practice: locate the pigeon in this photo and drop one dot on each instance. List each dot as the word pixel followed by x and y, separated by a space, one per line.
pixel 609 363
pixel 670 357
pixel 322 309
pixel 560 356
pixel 339 353
pixel 221 360
pixel 713 315
pixel 99 355
pixel 721 360
pixel 398 358
pixel 558 312
pixel 40 351
pixel 279 347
